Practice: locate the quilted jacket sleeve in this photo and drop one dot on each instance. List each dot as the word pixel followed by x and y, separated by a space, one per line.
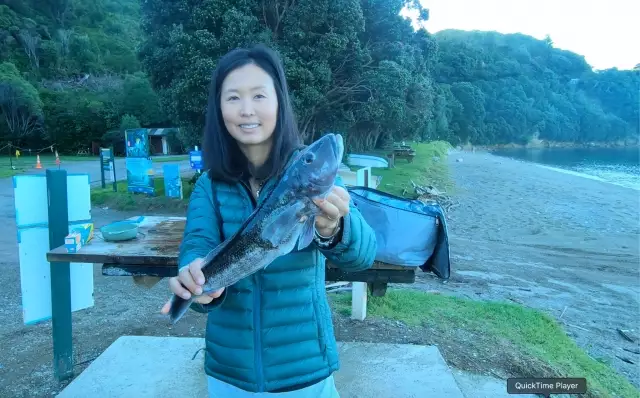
pixel 201 232
pixel 356 249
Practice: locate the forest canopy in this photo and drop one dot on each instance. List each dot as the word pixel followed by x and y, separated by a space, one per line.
pixel 77 72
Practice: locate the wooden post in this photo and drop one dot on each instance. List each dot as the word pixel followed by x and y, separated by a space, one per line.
pixel 359 289
pixel 102 168
pixel 358 300
pixel 60 276
pixel 113 169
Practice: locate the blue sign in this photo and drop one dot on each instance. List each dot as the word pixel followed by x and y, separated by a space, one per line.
pixel 172 181
pixel 140 176
pixel 195 159
pixel 137 143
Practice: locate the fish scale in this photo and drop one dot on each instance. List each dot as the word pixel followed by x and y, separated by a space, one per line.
pixel 284 219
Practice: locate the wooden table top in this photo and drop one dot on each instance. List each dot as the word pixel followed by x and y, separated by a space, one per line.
pixel 157 244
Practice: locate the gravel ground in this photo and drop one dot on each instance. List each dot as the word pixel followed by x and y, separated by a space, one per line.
pixel 560 243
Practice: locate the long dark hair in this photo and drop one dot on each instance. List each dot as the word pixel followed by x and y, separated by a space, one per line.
pixel 221 154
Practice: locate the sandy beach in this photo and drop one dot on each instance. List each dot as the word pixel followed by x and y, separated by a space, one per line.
pixel 557 242
pixel 560 243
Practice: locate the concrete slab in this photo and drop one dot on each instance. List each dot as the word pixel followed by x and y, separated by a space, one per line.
pixel 480 386
pixel 145 367
pixel 393 370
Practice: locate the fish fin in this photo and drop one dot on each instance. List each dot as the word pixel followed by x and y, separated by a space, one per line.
pixel 277 227
pixel 306 236
pixel 178 307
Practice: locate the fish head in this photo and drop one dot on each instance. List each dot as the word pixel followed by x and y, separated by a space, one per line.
pixel 314 170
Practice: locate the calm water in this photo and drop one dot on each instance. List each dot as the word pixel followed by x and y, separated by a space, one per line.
pixel 616 166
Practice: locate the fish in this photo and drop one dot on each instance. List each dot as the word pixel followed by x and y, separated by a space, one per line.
pixel 281 222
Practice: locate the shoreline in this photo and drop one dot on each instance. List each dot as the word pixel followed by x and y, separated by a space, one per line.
pixel 553 168
pixel 585 175
pixel 541 144
pixel 558 242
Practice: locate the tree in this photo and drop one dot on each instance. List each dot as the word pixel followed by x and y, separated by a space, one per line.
pixel 345 70
pixel 20 104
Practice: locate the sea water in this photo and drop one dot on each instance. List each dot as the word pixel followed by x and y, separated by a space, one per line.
pixel 619 166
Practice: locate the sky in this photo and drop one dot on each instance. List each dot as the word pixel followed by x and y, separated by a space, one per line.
pixel 607 32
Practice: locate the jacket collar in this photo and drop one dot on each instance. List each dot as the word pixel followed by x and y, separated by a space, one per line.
pixel 270 183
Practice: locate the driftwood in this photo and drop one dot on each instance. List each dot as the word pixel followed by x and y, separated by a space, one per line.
pixel 337 287
pixel 626 335
pixel 625 359
pixel 430 194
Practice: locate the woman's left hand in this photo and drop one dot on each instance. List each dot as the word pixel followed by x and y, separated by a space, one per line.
pixel 332 209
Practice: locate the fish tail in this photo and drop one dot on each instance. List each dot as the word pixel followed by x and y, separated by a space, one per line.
pixel 178 307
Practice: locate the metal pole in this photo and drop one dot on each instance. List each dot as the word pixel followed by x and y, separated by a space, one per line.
pixel 113 167
pixel 60 276
pixel 102 167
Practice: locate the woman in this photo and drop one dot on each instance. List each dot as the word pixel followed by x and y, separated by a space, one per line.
pixel 271 332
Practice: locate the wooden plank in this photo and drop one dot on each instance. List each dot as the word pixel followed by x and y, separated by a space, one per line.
pixel 157 243
pixel 379 265
pixel 162 271
pixel 61 320
pixel 371 276
pixel 378 289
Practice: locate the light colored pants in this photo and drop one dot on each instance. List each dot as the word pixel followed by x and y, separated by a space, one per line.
pixel 324 389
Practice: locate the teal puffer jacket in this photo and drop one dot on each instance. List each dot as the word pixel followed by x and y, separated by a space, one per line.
pixel 271 331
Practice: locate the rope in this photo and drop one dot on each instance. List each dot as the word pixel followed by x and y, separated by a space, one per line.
pixel 50 147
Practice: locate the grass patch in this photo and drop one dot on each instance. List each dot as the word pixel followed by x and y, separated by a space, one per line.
pixel 125 200
pixel 28 162
pixel 424 170
pixel 170 158
pixel 537 338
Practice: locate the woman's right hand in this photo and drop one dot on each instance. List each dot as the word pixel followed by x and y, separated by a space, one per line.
pixel 191 278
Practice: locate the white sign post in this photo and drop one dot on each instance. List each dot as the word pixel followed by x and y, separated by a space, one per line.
pixel 364 178
pixel 31 205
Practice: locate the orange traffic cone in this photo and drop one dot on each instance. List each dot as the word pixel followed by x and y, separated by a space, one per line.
pixel 38 164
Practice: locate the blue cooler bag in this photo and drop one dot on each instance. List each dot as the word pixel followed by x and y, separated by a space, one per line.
pixel 409 233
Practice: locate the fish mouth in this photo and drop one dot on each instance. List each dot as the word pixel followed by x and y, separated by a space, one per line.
pixel 330 148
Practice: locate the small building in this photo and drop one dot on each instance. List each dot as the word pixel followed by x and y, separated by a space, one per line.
pixel 162 141
pixel 159 141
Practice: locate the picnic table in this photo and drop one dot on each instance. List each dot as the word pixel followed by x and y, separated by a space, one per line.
pixel 400 151
pixel 155 253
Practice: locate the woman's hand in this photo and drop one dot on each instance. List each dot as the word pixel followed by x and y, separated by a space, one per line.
pixel 191 278
pixel 333 208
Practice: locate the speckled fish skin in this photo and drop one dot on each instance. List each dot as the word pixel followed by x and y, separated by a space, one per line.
pixel 282 221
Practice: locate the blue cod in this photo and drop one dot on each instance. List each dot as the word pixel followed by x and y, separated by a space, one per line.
pixel 283 221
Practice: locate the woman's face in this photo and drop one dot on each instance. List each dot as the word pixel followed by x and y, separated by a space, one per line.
pixel 249 105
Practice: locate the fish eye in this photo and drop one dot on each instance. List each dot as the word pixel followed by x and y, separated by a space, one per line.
pixel 309 157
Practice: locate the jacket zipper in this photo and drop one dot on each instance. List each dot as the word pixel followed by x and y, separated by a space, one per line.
pixel 257 338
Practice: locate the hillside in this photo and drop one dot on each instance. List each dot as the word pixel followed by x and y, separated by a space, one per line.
pixel 514 88
pixel 77 72
pixel 70 72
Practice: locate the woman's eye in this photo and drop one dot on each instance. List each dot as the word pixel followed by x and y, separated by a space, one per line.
pixel 232 98
pixel 260 96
